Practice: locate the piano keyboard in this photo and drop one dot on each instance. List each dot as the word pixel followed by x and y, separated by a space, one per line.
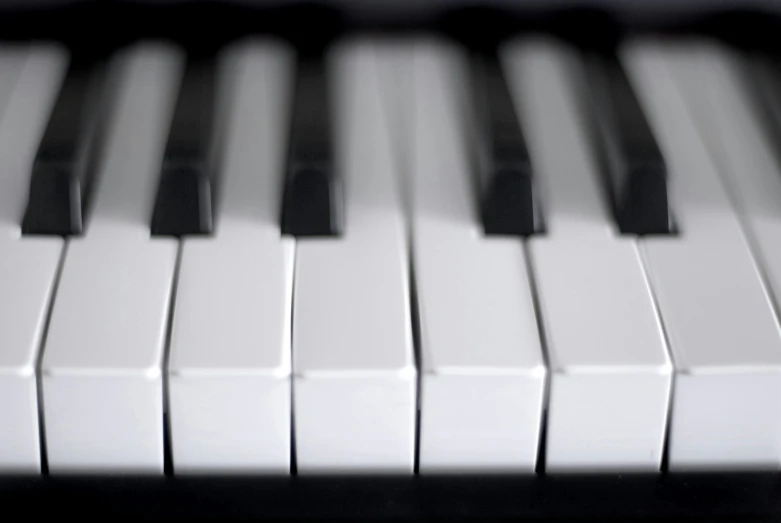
pixel 394 256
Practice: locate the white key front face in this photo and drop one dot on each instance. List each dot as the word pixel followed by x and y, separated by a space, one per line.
pixel 722 329
pixel 483 372
pixel 102 364
pixel 355 379
pixel 610 371
pixel 28 266
pixel 229 369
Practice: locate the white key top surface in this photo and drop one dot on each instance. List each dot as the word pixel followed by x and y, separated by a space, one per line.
pixel 610 371
pixel 723 333
pixel 102 364
pixel 735 138
pixel 230 389
pixel 355 379
pixel 146 88
pixel 29 79
pixel 28 87
pixel 483 371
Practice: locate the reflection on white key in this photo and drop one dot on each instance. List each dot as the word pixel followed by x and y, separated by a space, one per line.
pixel 29 80
pixel 354 385
pixel 610 371
pixel 102 364
pixel 230 365
pixel 483 381
pixel 722 329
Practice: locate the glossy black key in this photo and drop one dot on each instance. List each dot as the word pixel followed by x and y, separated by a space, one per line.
pixel 185 195
pixel 635 169
pixel 62 170
pixel 312 202
pixel 508 198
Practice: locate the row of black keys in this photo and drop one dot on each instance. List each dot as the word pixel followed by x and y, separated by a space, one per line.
pixel 62 170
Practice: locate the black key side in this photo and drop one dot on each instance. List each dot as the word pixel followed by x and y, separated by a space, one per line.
pixel 636 172
pixel 62 170
pixel 185 196
pixel 508 198
pixel 312 202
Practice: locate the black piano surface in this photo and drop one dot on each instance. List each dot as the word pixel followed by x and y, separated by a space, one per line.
pixel 666 497
pixel 716 496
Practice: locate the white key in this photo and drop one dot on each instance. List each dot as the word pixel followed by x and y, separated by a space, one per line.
pixel 29 80
pixel 355 378
pixel 610 370
pixel 102 365
pixel 394 58
pixel 722 329
pixel 712 82
pixel 726 118
pixel 482 364
pixel 229 369
pixel 29 83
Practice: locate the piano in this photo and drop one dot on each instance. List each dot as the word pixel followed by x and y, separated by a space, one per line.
pixel 436 261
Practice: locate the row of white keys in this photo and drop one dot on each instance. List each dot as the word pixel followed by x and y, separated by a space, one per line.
pixel 722 330
pixel 102 364
pixel 229 368
pixel 713 85
pixel 610 371
pixel 354 368
pixel 483 372
pixel 29 79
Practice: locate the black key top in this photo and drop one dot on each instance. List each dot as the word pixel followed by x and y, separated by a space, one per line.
pixel 185 196
pixel 508 197
pixel 312 203
pixel 63 167
pixel 635 168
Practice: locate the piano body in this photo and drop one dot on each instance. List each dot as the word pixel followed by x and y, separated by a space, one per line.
pixel 367 260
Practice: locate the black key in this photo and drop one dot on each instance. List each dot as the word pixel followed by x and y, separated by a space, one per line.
pixel 508 197
pixel 63 167
pixel 185 196
pixel 312 203
pixel 635 169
